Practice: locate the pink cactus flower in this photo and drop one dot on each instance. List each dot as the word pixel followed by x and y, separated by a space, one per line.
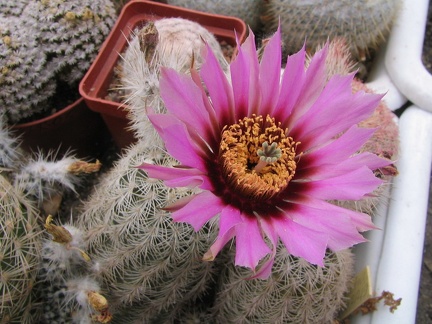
pixel 267 153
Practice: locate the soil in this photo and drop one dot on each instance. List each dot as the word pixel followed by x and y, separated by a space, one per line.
pixel 424 306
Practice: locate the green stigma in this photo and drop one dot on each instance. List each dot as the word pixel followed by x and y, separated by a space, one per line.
pixel 269 153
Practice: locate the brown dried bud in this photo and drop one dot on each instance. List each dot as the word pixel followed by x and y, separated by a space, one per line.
pixel 97 301
pixel 84 167
pixel 148 40
pixel 59 233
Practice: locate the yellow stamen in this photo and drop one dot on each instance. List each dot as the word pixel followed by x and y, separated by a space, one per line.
pixel 257 158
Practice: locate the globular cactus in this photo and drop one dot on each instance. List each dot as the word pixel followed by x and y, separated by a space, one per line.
pixel 364 24
pixel 171 42
pixel 247 10
pixel 295 292
pixel 20 246
pixel 147 262
pixel 47 46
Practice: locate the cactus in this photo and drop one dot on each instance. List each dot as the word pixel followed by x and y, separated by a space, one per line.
pixel 68 293
pixel 147 262
pixel 9 147
pixel 20 239
pixel 46 46
pixel 296 291
pixel 171 42
pixel 12 8
pixel 25 184
pixel 247 10
pixel 364 24
pixel 46 180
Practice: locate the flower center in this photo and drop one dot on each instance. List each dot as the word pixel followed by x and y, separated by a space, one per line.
pixel 257 158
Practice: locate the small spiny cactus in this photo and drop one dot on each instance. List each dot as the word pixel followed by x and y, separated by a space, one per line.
pixel 46 45
pixel 247 10
pixel 147 261
pixel 171 42
pixel 364 24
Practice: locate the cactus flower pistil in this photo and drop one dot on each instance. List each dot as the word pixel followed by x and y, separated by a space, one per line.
pixel 267 153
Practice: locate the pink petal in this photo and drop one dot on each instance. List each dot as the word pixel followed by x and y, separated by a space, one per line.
pixel 313 85
pixel 337 224
pixel 178 177
pixel 334 112
pixel 183 98
pixel 270 69
pixel 250 246
pixel 200 209
pixel 293 81
pixel 219 89
pixel 352 185
pixel 371 161
pixel 220 242
pixel 362 221
pixel 339 149
pixel 301 241
pixel 229 218
pixel 254 94
pixel 241 79
pixel 178 141
pixel 265 270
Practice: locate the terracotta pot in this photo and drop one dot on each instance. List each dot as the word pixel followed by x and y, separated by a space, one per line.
pixel 94 86
pixel 75 128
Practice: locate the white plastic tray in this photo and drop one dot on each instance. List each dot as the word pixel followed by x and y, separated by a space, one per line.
pixel 395 253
